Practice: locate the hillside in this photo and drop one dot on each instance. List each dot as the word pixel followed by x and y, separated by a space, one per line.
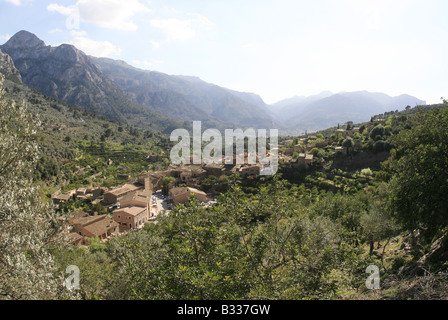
pixel 75 144
pixel 316 229
pixel 188 98
pixel 67 74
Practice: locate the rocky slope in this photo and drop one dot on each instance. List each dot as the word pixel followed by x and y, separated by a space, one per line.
pixel 188 98
pixel 8 69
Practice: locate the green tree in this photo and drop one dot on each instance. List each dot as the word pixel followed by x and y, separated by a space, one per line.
pixel 27 226
pixel 419 168
pixel 377 222
pixel 263 246
pixel 165 184
pixel 377 131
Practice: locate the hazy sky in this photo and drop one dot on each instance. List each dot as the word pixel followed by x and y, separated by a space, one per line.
pixel 276 48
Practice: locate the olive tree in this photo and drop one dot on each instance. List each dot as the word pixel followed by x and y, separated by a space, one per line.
pixel 27 226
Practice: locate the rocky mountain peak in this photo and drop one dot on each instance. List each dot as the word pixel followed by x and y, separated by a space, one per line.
pixel 23 40
pixel 70 53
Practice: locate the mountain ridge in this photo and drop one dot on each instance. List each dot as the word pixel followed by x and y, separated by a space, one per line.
pixel 187 97
pixel 68 74
pixel 328 109
pixel 150 98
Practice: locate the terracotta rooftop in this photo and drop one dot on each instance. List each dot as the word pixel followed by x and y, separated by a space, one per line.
pixel 139 196
pixel 132 210
pixel 102 226
pixel 123 189
pixel 177 191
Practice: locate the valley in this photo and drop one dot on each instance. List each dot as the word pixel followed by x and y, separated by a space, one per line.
pixel 87 180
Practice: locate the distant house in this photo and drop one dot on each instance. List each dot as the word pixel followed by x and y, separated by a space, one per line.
pixel 302 161
pixel 95 226
pixel 61 198
pixel 309 159
pixel 299 162
pixel 98 192
pixel 114 195
pixel 191 174
pixel 81 192
pixel 182 194
pixel 74 216
pixel 310 147
pixel 213 169
pixel 132 216
pixel 76 239
pixel 250 171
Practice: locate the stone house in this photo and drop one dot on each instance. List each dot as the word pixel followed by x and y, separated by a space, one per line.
pixel 60 198
pixel 113 196
pixel 310 147
pixel 182 194
pixel 95 226
pixel 213 169
pixel 132 215
pixel 309 159
pixel 250 171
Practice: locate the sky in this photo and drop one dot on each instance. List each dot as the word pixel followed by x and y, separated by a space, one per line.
pixel 277 48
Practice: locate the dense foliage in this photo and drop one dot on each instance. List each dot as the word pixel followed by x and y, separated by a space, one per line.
pixel 27 226
pixel 419 166
pixel 309 235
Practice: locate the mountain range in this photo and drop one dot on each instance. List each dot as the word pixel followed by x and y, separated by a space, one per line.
pixel 163 102
pixel 187 98
pixel 328 109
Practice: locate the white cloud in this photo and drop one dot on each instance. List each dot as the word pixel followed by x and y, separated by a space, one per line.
pixel 93 47
pixel 182 29
pixel 15 2
pixel 5 37
pixel 110 14
pixel 66 11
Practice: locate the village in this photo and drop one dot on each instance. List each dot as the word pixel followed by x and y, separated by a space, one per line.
pixel 132 205
pixel 140 201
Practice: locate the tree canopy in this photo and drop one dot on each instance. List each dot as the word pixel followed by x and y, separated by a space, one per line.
pixel 419 167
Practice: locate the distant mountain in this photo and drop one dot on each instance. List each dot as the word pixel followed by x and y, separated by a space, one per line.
pixel 327 109
pixel 188 98
pixel 164 102
pixel 66 73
